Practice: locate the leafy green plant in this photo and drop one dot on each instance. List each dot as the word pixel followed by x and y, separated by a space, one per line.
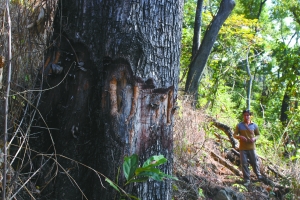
pixel 200 193
pixel 240 187
pixel 134 174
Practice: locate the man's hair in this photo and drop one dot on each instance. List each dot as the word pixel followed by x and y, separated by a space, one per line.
pixel 247 111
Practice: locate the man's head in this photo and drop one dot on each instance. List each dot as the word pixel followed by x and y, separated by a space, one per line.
pixel 247 116
pixel 247 111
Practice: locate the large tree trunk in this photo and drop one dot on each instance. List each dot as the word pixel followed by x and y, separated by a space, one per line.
pixel 112 75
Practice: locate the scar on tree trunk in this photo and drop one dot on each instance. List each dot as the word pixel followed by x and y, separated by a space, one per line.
pixel 134 102
pixel 113 97
pixel 125 93
pixel 170 106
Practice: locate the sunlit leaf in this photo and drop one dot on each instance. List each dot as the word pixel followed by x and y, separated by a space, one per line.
pixel 155 161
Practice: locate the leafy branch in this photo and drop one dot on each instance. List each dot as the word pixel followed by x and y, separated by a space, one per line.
pixel 134 174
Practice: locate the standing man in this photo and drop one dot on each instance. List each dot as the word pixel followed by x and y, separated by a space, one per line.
pixel 247 133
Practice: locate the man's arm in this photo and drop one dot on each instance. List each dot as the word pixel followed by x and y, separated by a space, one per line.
pixel 236 132
pixel 256 133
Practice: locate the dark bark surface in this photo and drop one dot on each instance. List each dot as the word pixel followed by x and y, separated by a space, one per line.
pixel 285 108
pixel 110 81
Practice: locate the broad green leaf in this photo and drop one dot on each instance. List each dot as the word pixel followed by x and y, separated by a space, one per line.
pixel 155 161
pixel 140 170
pixel 129 166
pixel 112 184
pixel 150 172
pixel 153 174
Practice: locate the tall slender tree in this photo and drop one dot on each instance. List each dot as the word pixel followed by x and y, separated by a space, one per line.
pixel 197 27
pixel 198 63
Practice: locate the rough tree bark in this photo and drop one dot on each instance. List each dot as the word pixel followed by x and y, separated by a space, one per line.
pixel 198 63
pixel 113 73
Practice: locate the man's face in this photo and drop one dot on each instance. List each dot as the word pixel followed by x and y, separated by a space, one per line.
pixel 247 117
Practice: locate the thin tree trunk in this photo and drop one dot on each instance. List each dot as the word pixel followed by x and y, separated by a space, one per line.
pixel 284 108
pixel 249 82
pixel 198 63
pixel 7 103
pixel 262 2
pixel 197 28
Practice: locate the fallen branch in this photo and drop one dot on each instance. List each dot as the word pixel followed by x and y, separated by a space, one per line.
pixel 226 164
pixel 271 168
pixel 226 129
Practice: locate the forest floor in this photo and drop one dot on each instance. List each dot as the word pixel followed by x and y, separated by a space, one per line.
pixel 208 168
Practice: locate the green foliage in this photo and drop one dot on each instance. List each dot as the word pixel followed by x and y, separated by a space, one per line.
pixel 135 174
pixel 250 8
pixel 186 50
pixel 17 2
pixel 240 28
pixel 189 14
pixel 200 193
pixel 129 166
pixel 217 97
pixel 240 187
